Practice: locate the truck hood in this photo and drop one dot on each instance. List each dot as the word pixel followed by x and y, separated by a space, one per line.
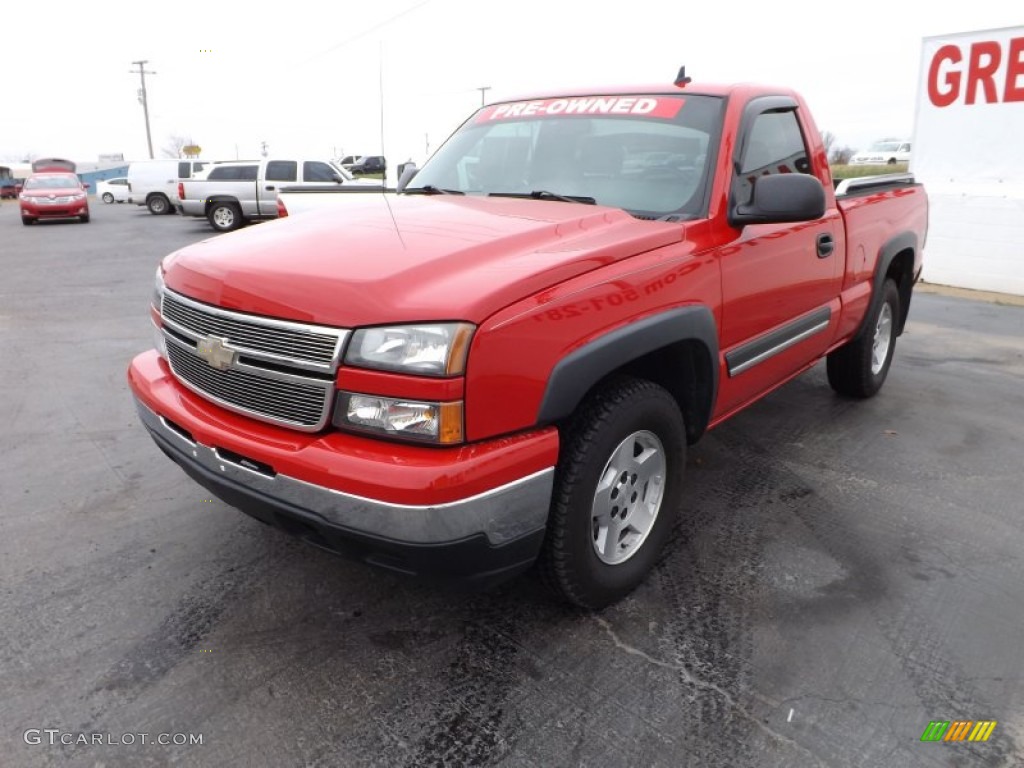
pixel 408 258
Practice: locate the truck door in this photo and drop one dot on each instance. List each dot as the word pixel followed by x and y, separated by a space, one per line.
pixel 780 282
pixel 280 173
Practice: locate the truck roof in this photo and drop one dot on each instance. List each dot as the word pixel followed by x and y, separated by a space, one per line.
pixel 702 89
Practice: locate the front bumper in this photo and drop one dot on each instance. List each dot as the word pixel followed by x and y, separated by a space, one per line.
pixel 481 536
pixel 54 210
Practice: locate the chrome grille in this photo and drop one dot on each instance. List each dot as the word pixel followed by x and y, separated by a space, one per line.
pixel 279 398
pixel 277 341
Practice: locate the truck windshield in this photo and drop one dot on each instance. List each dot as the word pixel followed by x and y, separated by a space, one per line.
pixel 647 154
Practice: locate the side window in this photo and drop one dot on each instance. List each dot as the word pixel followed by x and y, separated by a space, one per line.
pixel 248 172
pixel 775 145
pixel 282 170
pixel 316 171
pixel 183 172
pixel 223 172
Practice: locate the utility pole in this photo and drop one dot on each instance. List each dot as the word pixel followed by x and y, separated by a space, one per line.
pixel 263 144
pixel 145 101
pixel 483 91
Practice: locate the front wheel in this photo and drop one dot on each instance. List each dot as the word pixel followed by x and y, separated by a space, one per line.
pixel 618 487
pixel 858 369
pixel 84 218
pixel 224 217
pixel 108 198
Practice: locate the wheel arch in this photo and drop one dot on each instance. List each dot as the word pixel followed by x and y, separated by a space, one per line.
pixel 896 261
pixel 214 199
pixel 677 349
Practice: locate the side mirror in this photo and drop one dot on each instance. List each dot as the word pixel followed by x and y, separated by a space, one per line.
pixel 408 171
pixel 781 198
pixel 85 185
pixel 337 178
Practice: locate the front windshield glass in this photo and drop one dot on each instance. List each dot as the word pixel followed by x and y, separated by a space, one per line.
pixel 51 182
pixel 885 146
pixel 646 154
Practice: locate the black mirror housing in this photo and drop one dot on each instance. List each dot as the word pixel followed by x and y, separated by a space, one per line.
pixel 781 198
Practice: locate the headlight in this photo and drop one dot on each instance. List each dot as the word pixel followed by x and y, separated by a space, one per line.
pixel 430 422
pixel 428 350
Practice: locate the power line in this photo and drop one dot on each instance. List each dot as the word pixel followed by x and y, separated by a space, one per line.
pixel 365 32
pixel 145 101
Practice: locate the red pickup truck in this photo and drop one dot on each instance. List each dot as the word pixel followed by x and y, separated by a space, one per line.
pixel 504 363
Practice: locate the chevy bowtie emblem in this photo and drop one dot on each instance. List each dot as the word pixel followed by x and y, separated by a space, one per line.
pixel 215 351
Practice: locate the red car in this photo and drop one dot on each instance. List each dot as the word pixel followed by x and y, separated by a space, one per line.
pixel 53 196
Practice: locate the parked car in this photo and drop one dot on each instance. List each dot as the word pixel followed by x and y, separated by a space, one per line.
pixel 231 194
pixel 885 152
pixel 113 190
pixel 53 196
pixel 349 160
pixel 154 183
pixel 508 366
pixel 368 164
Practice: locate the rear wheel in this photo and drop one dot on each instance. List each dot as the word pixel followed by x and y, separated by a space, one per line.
pixel 859 368
pixel 158 205
pixel 224 217
pixel 618 486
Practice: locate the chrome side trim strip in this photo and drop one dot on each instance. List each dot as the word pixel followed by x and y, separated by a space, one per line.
pixel 757 351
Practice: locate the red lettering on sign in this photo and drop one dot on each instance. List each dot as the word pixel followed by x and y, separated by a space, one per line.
pixel 983 73
pixel 945 78
pixel 943 98
pixel 1014 71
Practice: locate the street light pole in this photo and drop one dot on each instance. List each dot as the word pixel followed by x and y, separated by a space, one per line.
pixel 145 102
pixel 483 91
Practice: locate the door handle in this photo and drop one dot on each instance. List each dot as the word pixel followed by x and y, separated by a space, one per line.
pixel 825 246
pixel 269 188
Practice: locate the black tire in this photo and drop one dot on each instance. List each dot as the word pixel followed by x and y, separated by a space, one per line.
pixel 108 198
pixel 225 216
pixel 158 205
pixel 892 161
pixel 858 369
pixel 84 218
pixel 622 416
pixel 27 221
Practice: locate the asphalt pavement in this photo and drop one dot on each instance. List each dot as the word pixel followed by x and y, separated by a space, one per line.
pixel 843 574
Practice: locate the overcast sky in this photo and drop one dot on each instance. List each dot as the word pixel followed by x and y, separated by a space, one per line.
pixel 306 77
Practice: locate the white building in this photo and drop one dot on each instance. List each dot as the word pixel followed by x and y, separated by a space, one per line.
pixel 969 154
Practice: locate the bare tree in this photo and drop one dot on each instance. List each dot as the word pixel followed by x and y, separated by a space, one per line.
pixel 174 145
pixel 828 139
pixel 841 155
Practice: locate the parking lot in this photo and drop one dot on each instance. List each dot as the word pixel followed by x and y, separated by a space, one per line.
pixel 842 574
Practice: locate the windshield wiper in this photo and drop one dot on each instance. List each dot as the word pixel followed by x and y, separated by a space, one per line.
pixel 543 194
pixel 430 189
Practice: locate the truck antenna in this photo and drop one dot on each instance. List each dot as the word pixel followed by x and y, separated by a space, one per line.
pixel 682 79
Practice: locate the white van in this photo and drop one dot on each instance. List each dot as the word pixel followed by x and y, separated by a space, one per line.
pixel 154 183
